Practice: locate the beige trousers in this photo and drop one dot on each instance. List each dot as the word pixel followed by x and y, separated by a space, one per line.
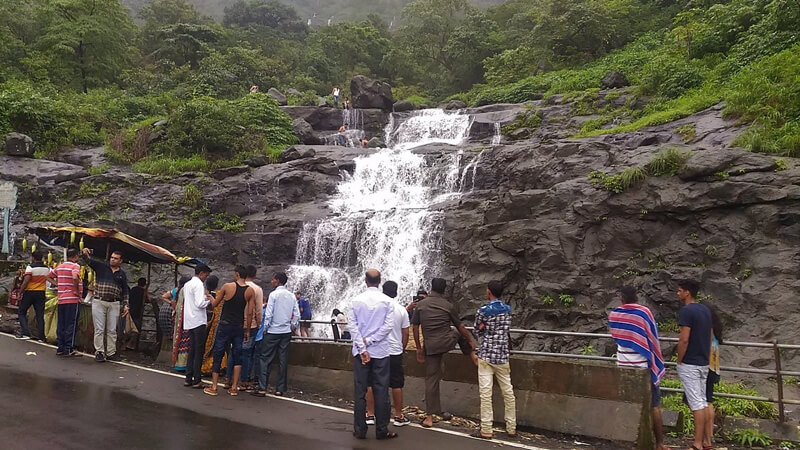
pixel 486 375
pixel 105 316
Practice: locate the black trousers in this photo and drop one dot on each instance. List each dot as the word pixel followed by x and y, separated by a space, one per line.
pixel 197 347
pixel 377 371
pixel 35 299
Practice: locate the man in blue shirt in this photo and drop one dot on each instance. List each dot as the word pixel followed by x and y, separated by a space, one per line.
pixel 280 316
pixel 305 314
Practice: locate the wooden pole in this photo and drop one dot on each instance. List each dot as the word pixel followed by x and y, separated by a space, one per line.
pixel 779 379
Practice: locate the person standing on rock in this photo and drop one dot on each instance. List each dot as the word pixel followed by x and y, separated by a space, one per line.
pixel 492 325
pixel 636 333
pixel 280 317
pixel 335 93
pixel 110 294
pixel 68 275
pixel 441 330
pixel 195 302
pixel 34 284
pixel 371 322
pixel 236 297
pixel 694 348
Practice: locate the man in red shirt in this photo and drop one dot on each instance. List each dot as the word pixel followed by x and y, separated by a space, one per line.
pixel 68 275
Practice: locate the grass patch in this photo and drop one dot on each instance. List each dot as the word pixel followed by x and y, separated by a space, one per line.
pixel 70 214
pixel 192 195
pixel 528 121
pixel 101 169
pixel 92 189
pixel 688 132
pixel 667 162
pixel 620 182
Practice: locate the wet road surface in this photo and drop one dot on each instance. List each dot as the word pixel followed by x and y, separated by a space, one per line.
pixel 74 403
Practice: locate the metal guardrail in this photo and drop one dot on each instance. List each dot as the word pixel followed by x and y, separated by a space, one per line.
pixel 774 345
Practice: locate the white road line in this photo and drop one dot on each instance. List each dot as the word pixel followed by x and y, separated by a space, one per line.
pixel 304 402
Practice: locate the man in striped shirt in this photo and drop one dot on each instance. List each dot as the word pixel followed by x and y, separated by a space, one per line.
pixel 34 283
pixel 68 275
pixel 635 331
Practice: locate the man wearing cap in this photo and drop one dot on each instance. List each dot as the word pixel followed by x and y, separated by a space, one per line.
pixel 195 301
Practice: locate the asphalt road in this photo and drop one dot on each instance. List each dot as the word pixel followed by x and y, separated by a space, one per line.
pixel 75 403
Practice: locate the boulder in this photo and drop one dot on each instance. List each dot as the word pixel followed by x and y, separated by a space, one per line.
pixel 18 144
pixel 614 79
pixel 294 152
pixel 322 101
pixel 304 132
pixel 376 143
pixel 38 171
pixel 454 105
pixel 367 93
pixel 403 105
pixel 277 96
pixel 295 92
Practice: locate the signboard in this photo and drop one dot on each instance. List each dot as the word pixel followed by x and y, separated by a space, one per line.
pixel 8 195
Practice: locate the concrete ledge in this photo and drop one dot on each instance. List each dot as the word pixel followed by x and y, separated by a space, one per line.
pixel 587 398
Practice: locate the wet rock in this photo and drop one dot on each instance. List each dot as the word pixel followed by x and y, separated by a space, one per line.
pixel 614 79
pixel 85 157
pixel 403 105
pixel 304 132
pixel 257 161
pixel 296 152
pixel 221 174
pixel 18 144
pixel 38 171
pixel 366 93
pixel 277 96
pixel 454 105
pixel 376 143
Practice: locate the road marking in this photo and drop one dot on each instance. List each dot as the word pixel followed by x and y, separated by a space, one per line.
pixel 304 402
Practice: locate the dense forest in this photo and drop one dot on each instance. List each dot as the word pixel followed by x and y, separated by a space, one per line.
pixel 87 72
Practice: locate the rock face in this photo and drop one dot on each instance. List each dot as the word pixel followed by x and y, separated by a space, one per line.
pixel 454 105
pixel 18 144
pixel 403 105
pixel 366 93
pixel 277 96
pixel 38 171
pixel 614 79
pixel 304 132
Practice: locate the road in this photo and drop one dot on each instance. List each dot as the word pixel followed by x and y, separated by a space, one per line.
pixel 75 403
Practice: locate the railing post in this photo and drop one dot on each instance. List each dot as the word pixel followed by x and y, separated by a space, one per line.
pixel 779 378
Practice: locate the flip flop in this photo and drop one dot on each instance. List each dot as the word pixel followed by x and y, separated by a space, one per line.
pixel 233 392
pixel 479 435
pixel 278 394
pixel 198 385
pixel 424 425
pixel 259 393
pixel 387 436
pixel 210 391
pixel 187 384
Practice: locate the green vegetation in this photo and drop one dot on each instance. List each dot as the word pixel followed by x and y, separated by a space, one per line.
pixel 588 350
pixel 667 162
pixel 548 300
pixel 669 326
pixel 97 170
pixel 750 437
pixel 725 406
pixel 620 182
pixel 84 72
pixel 781 164
pixel 192 195
pixel 69 214
pixel 92 189
pixel 688 132
pixel 566 299
pixel 526 121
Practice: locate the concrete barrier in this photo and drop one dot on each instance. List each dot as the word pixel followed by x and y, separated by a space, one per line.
pixel 587 398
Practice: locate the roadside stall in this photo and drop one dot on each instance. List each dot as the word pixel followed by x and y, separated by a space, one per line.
pixel 102 243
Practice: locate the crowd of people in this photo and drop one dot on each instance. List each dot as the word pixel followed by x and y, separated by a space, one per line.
pixel 241 328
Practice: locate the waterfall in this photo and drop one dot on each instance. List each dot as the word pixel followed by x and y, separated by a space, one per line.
pixel 497 136
pixel 353 123
pixel 382 217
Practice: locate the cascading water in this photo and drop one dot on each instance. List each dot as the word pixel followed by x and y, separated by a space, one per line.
pixel 382 217
pixel 497 136
pixel 353 130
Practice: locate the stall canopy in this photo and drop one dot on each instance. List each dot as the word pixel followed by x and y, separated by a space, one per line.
pixel 103 242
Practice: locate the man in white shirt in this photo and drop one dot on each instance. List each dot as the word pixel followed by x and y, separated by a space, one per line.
pixel 195 301
pixel 370 322
pixel 280 317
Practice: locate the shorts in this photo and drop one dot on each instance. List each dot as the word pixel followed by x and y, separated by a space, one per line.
pixel 655 401
pixel 397 379
pixel 305 323
pixel 694 380
pixel 713 378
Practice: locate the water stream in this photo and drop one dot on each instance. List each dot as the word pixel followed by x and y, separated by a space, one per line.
pixel 382 217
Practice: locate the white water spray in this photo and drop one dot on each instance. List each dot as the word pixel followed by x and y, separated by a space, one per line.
pixel 382 217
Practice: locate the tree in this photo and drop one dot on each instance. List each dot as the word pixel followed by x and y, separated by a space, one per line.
pixel 281 19
pixel 88 41
pixel 186 43
pixel 159 14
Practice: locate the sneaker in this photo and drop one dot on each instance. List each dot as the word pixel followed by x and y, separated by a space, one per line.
pixel 400 421
pixel 59 353
pixel 370 420
pixel 113 357
pixel 99 357
pixel 33 338
pixel 21 337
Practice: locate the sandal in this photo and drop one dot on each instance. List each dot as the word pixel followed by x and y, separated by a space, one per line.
pixel 258 393
pixel 187 384
pixel 198 385
pixel 479 435
pixel 514 435
pixel 278 394
pixel 387 436
pixel 425 425
pixel 233 392
pixel 210 391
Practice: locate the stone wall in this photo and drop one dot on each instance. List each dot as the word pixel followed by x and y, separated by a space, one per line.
pixel 586 398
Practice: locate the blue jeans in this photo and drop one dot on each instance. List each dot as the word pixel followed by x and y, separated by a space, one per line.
pixel 65 328
pixel 249 355
pixel 37 300
pixel 228 333
pixel 270 345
